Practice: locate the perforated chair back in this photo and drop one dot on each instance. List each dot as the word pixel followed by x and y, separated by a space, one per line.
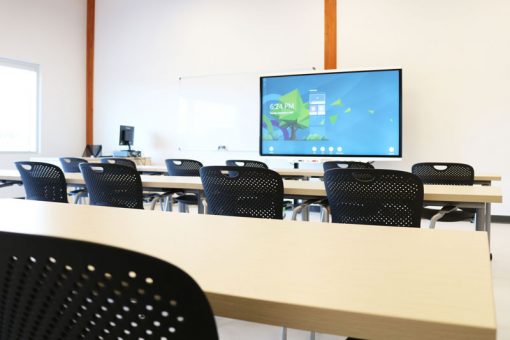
pixel 113 185
pixel 346 165
pixel 183 167
pixel 248 163
pixel 43 181
pixel 71 164
pixel 120 161
pixel 444 173
pixel 243 191
pixel 55 288
pixel 370 196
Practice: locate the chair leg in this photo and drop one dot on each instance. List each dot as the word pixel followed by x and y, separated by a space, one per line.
pixel 296 211
pixel 325 214
pixel 284 333
pixel 154 201
pixel 77 198
pixel 167 203
pixel 305 215
pixel 182 207
pixel 312 335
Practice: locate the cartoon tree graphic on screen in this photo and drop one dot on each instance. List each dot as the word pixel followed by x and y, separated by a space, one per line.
pixel 292 113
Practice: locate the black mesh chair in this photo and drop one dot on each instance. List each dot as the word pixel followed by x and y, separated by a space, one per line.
pixel 184 167
pixel 370 196
pixel 55 288
pixel 71 165
pixel 440 173
pixel 120 161
pixel 248 163
pixel 346 165
pixel 444 173
pixel 149 197
pixel 243 191
pixel 43 181
pixel 113 185
pixel 323 202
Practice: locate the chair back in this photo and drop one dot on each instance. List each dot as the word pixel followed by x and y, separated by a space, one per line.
pixel 248 163
pixel 243 191
pixel 71 164
pixel 113 185
pixel 183 167
pixel 346 165
pixel 370 196
pixel 55 288
pixel 444 173
pixel 119 161
pixel 43 181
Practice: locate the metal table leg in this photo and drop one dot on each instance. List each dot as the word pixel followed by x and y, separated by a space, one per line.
pixel 480 218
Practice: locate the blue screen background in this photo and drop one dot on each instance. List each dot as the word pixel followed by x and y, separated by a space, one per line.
pixel 331 114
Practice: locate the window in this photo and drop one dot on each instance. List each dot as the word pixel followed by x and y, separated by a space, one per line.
pixel 19 106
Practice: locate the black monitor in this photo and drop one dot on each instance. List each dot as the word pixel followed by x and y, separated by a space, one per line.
pixel 92 150
pixel 351 114
pixel 126 135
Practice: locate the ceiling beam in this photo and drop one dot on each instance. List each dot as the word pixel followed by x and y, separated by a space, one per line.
pixel 330 57
pixel 89 106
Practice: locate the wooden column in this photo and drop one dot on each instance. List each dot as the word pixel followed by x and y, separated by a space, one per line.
pixel 89 110
pixel 329 34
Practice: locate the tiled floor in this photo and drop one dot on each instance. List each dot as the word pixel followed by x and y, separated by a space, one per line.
pixel 236 330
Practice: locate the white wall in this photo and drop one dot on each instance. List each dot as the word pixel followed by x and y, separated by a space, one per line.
pixel 144 46
pixel 52 34
pixel 455 57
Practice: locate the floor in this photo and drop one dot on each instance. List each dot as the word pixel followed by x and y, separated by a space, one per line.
pixel 235 329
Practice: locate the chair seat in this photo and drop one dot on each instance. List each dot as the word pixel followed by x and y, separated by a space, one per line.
pixel 454 216
pixel 187 199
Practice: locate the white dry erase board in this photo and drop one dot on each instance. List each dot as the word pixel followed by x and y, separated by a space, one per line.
pixel 219 111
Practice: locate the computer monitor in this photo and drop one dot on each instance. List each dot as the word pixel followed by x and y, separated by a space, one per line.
pixel 351 114
pixel 92 150
pixel 126 135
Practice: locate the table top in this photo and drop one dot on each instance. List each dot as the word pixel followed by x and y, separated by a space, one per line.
pixel 439 193
pixel 306 172
pixel 363 281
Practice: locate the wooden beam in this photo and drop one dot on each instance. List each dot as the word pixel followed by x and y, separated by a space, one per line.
pixel 91 8
pixel 330 34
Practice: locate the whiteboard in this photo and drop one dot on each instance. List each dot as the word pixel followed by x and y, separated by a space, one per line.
pixel 219 111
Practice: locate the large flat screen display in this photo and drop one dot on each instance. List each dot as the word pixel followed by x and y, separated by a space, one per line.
pixel 332 114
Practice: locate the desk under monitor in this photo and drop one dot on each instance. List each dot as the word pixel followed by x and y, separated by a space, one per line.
pixel 363 281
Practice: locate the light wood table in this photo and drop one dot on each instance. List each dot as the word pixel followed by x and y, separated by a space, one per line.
pixel 484 179
pixel 363 281
pixel 478 197
pixel 141 161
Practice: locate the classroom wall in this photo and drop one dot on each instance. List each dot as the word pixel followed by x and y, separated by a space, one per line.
pixel 144 46
pixel 453 55
pixel 51 33
pixel 455 58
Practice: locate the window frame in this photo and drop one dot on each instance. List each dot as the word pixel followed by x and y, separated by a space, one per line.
pixel 24 65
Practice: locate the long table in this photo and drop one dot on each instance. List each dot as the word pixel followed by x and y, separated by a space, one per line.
pixel 363 281
pixel 484 179
pixel 477 197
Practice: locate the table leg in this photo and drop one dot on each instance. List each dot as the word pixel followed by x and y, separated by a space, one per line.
pixel 200 196
pixel 480 218
pixel 488 220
